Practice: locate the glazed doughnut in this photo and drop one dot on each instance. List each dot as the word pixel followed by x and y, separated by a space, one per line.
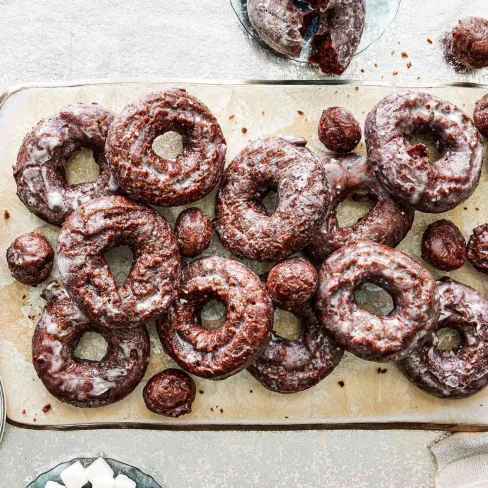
pixel 281 24
pixel 443 246
pixel 81 382
pixel 387 222
pixel 478 248
pixel 40 169
pixel 30 259
pixel 170 393
pixel 271 164
pixel 292 282
pixel 481 116
pixel 468 43
pixel 152 284
pixel 289 366
pixel 405 171
pixel 144 175
pixel 194 231
pixel 341 24
pixel 339 131
pixel 222 352
pixel 368 336
pixel 463 371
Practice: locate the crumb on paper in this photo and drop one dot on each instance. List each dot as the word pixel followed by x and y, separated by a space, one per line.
pixel 231 117
pixel 201 392
pixel 341 384
pixel 46 408
pixel 221 410
pixel 393 53
pixel 357 88
pixel 6 214
pixel 375 65
pixel 211 409
pixel 395 73
pixel 250 391
pixel 429 40
pixel 300 112
pixel 404 54
pixel 244 130
pixel 382 370
pixel 409 64
pixel 23 412
pixel 362 70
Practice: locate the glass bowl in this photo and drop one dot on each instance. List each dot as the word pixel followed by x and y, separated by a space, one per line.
pixel 379 15
pixel 142 480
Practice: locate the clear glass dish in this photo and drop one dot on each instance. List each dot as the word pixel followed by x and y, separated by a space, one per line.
pixel 379 15
pixel 142 480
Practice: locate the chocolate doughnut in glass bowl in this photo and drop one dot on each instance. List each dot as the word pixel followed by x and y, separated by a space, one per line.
pixel 387 221
pixel 405 170
pixel 45 152
pixel 376 337
pixel 82 382
pixel 296 174
pixel 462 371
pixel 219 353
pixel 105 223
pixel 146 176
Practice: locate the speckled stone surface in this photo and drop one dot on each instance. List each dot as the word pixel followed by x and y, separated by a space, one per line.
pixel 52 40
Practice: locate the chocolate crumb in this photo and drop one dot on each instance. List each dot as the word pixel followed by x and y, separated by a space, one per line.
pixel 300 112
pixel 46 408
pixel 362 70
pixel 375 65
pixel 429 40
pixel 465 208
pixel 6 214
pixel 201 392
pixel 244 130
pixel 221 411
pixel 341 384
pixel 477 209
pixel 23 412
pixel 395 73
pixel 357 88
pixel 231 117
pixel 211 409
pixel 250 391
pixel 23 297
pixel 409 65
pixel 382 370
pixel 34 420
pixel 404 55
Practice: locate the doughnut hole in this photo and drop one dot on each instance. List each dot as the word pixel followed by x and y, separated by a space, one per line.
pixel 213 314
pixel 374 299
pixel 81 167
pixel 270 202
pixel 168 145
pixel 286 324
pixel 120 260
pixel 426 139
pixel 92 346
pixel 351 210
pixel 450 339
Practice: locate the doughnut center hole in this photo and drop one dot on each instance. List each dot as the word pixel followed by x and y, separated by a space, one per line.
pixel 91 346
pixel 270 202
pixel 81 167
pixel 168 145
pixel 350 211
pixel 286 324
pixel 213 314
pixel 429 140
pixel 374 299
pixel 120 260
pixel 449 338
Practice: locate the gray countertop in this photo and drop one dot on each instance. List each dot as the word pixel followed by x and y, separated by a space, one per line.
pixel 52 40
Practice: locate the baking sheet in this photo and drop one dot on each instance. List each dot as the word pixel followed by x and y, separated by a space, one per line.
pixel 366 399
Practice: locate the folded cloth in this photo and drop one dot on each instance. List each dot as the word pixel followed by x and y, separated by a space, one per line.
pixel 462 461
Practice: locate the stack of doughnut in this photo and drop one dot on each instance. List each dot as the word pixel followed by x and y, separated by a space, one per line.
pixel 396 175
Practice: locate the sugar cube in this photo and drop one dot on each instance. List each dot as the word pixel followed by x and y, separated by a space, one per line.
pixel 74 476
pixel 103 482
pixel 122 481
pixel 99 468
pixel 53 484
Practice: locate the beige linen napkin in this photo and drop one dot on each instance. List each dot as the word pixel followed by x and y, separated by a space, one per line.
pixel 462 461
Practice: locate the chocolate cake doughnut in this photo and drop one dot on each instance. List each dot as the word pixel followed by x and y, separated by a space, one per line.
pixel 462 372
pixel 170 393
pixel 30 259
pixel 339 131
pixel 478 248
pixel 144 175
pixel 281 24
pixel 292 282
pixel 341 25
pixel 387 222
pixel 271 164
pixel 40 169
pixel 222 352
pixel 152 284
pixel 81 382
pixel 405 170
pixel 368 336
pixel 443 246
pixel 481 116
pixel 468 43
pixel 194 231
pixel 289 366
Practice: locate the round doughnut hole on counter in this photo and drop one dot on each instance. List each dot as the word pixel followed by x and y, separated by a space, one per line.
pixel 213 314
pixel 120 260
pixel 350 211
pixel 81 167
pixel 286 324
pixel 450 339
pixel 168 145
pixel 92 346
pixel 429 141
pixel 374 299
